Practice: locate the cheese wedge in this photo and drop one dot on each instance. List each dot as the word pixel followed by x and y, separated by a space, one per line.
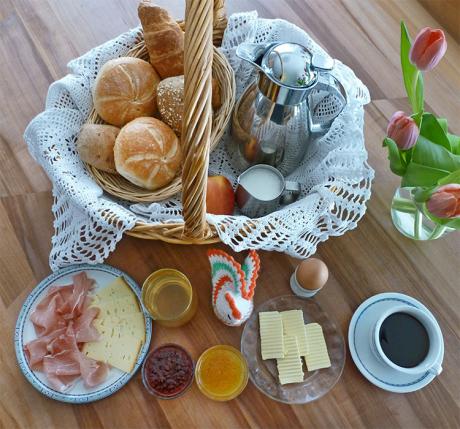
pixel 290 367
pixel 294 326
pixel 116 347
pixel 117 289
pixel 118 307
pixel 271 335
pixel 317 356
pixel 130 324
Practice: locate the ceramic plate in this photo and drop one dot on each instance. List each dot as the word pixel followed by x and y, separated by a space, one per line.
pixel 264 374
pixel 103 274
pixel 359 337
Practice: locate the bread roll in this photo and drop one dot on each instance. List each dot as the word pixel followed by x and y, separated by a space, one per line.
pixel 170 99
pixel 125 89
pixel 164 40
pixel 147 153
pixel 95 146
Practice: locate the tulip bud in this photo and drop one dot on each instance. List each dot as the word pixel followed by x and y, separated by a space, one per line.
pixel 445 202
pixel 403 130
pixel 429 47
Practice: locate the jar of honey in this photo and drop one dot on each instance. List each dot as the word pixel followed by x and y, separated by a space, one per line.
pixel 221 373
pixel 169 298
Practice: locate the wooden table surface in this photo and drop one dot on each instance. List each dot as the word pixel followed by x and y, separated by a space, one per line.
pixel 38 38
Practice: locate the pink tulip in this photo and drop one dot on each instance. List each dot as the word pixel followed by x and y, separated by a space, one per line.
pixel 403 130
pixel 445 202
pixel 429 47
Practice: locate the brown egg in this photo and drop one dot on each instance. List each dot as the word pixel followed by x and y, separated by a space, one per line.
pixel 312 274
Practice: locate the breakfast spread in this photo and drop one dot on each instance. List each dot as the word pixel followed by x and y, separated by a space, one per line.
pixel 120 324
pixel 285 337
pixel 221 373
pixel 168 371
pixel 63 322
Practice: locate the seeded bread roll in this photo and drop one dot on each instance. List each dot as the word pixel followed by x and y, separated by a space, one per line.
pixel 164 39
pixel 147 153
pixel 95 146
pixel 125 89
pixel 170 99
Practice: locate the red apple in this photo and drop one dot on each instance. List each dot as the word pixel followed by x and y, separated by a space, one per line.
pixel 220 199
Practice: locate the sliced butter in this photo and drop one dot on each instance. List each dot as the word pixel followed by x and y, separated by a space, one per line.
pixel 271 335
pixel 317 356
pixel 290 367
pixel 294 326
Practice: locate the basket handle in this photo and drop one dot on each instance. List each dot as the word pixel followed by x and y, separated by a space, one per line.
pixel 197 120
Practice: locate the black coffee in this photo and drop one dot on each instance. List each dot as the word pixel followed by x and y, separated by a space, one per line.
pixel 404 340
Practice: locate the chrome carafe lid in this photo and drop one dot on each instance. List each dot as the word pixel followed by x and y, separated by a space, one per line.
pixel 287 71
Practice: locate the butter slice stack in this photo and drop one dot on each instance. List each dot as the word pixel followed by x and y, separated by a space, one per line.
pixel 317 356
pixel 294 326
pixel 271 335
pixel 121 325
pixel 290 367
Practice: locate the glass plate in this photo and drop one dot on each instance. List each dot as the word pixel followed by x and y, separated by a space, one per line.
pixel 263 373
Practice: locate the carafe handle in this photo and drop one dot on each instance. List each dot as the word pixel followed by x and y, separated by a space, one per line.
pixel 326 82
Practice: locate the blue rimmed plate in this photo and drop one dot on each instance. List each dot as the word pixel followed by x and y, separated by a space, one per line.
pixel 78 394
pixel 359 342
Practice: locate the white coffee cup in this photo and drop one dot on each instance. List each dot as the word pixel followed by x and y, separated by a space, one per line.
pixel 431 362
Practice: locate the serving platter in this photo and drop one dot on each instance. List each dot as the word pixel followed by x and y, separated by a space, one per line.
pixel 25 332
pixel 263 373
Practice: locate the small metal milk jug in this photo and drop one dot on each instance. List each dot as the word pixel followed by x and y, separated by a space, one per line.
pixel 279 114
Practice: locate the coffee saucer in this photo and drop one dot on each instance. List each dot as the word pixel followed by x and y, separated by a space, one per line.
pixel 359 342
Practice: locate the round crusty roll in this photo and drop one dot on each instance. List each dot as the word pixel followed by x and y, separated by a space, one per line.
pixel 95 146
pixel 170 100
pixel 147 153
pixel 125 89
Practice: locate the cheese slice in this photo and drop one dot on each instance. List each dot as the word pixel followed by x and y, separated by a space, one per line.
pixel 317 356
pixel 290 367
pixel 271 335
pixel 294 326
pixel 117 307
pixel 117 289
pixel 131 324
pixel 116 347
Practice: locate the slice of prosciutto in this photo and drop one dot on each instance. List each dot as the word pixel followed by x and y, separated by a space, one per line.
pixel 63 321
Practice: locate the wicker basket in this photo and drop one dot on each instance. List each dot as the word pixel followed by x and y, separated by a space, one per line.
pixel 116 184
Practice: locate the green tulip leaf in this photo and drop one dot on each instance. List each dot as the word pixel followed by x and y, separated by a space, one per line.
pixel 397 163
pixel 443 123
pixel 430 154
pixel 454 143
pixel 432 129
pixel 422 175
pixel 451 178
pixel 413 79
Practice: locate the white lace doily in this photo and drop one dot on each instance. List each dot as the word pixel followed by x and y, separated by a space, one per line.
pixel 334 175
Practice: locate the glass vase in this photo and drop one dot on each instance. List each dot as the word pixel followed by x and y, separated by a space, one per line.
pixel 410 219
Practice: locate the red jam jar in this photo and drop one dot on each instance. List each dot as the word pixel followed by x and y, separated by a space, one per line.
pixel 168 371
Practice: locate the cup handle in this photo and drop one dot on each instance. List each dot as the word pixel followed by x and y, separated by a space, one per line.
pixel 436 369
pixel 291 192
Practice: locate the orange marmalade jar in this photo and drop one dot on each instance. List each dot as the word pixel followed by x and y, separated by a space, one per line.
pixel 221 373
